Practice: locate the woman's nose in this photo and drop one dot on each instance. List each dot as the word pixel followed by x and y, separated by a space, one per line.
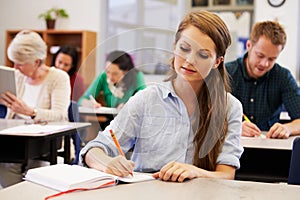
pixel 190 59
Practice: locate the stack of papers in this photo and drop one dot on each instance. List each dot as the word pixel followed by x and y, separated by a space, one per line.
pixel 35 129
pixel 101 110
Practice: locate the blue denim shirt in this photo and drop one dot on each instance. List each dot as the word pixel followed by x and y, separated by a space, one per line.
pixel 155 121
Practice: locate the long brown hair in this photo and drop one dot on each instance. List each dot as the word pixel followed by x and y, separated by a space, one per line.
pixel 212 98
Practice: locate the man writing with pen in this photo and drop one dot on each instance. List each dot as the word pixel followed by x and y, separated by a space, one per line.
pixel 263 86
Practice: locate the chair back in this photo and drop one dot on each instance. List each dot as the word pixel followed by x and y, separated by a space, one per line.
pixel 3 111
pixel 73 114
pixel 294 173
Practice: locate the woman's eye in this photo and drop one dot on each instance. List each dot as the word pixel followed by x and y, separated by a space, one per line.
pixel 184 49
pixel 202 55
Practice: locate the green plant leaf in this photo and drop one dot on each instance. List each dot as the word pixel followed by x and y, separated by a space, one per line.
pixel 54 13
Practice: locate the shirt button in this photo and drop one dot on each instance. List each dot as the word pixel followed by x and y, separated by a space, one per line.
pixel 251 117
pixel 252 100
pixel 255 82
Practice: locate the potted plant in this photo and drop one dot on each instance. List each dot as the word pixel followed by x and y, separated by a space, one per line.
pixel 51 15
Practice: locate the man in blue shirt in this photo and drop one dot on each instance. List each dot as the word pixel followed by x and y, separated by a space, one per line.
pixel 263 86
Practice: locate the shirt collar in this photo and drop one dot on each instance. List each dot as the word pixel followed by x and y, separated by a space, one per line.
pixel 168 89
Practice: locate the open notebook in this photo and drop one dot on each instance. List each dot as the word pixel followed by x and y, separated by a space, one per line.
pixel 64 177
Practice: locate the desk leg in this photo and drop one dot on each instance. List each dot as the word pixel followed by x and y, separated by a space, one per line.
pixel 53 152
pixel 67 149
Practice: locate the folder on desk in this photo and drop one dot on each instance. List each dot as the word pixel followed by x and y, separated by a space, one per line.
pixel 34 129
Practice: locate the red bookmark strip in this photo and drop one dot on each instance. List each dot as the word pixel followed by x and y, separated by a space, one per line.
pixel 80 189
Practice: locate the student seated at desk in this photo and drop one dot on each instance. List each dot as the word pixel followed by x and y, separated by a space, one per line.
pixel 43 93
pixel 66 58
pixel 263 86
pixel 187 127
pixel 118 82
pixel 115 85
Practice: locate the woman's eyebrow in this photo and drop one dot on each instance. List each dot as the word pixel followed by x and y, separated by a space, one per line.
pixel 205 50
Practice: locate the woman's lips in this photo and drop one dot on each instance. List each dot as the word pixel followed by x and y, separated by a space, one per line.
pixel 188 70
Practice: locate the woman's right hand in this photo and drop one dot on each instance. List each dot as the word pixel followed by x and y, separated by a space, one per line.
pixel 17 105
pixel 119 166
pixel 90 103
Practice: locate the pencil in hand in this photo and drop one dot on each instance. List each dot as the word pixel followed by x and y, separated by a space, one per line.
pixel 118 145
pixel 92 99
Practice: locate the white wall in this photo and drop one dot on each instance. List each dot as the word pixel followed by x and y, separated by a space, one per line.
pixel 90 15
pixel 288 16
pixel 17 14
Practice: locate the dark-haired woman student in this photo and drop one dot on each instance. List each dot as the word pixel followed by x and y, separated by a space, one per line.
pixel 117 83
pixel 66 59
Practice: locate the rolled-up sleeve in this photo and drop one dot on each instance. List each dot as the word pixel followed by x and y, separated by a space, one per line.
pixel 97 142
pixel 232 148
pixel 125 125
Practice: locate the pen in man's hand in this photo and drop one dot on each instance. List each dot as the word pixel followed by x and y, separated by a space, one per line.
pixel 117 145
pixel 246 118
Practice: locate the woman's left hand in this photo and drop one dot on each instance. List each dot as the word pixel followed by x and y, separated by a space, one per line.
pixel 15 104
pixel 177 172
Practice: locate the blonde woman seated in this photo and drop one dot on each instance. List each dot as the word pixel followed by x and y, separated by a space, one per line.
pixel 43 93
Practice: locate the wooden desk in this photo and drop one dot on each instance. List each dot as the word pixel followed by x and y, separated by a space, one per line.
pixel 266 160
pixel 18 148
pixel 156 190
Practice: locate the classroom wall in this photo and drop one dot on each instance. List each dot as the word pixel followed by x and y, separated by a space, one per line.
pixel 288 15
pixel 17 14
pixel 90 15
